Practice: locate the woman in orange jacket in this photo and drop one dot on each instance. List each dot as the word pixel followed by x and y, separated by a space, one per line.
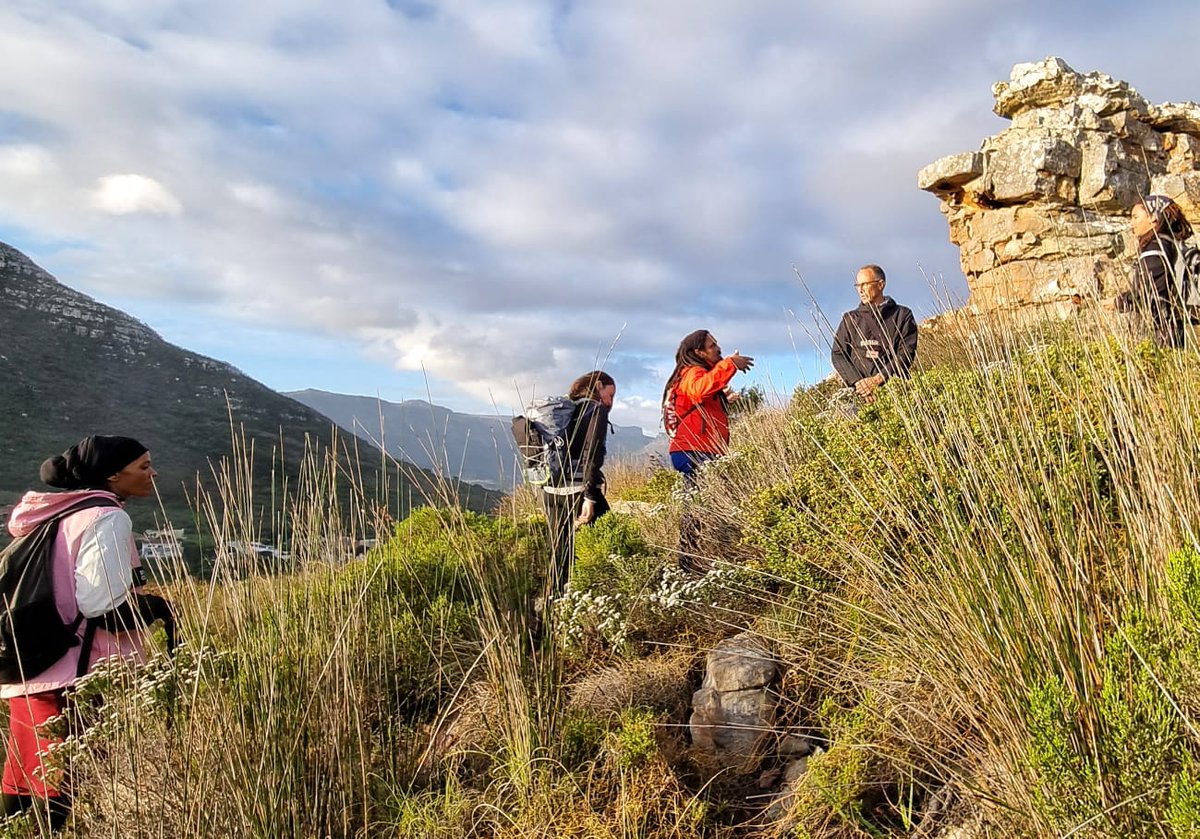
pixel 697 393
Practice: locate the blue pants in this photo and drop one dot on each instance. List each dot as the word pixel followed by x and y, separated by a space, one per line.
pixel 686 463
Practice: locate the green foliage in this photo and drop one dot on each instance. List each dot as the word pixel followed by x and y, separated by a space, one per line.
pixel 418 591
pixel 1134 750
pixel 1066 784
pixel 432 815
pixel 833 498
pixel 749 400
pixel 956 444
pixel 837 777
pixel 607 551
pixel 1183 802
pixel 635 743
pixel 1183 586
pixel 623 592
pixel 613 567
pixel 583 736
pixel 659 488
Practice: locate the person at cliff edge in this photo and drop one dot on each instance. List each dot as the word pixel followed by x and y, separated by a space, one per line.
pixel 875 342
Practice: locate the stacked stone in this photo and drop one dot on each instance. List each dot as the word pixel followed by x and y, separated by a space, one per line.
pixel 1041 212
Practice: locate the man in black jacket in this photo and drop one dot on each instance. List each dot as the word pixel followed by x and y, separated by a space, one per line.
pixel 876 341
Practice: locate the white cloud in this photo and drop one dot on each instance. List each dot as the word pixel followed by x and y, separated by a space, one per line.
pixel 125 194
pixel 492 192
pixel 259 197
pixel 25 160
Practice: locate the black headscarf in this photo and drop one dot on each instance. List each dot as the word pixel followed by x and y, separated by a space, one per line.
pixel 91 462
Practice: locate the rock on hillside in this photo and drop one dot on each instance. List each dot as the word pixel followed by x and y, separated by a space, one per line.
pixel 71 366
pixel 1040 213
pixel 475 448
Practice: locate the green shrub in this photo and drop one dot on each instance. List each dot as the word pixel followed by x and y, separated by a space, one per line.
pixel 1127 756
pixel 659 488
pixel 600 547
pixel 1183 802
pixel 583 737
pixel 635 743
pixel 1183 586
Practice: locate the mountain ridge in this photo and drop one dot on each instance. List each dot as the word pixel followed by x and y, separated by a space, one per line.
pixel 477 448
pixel 71 366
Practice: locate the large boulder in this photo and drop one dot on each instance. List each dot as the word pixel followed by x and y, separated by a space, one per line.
pixel 1041 212
pixel 1051 83
pixel 735 706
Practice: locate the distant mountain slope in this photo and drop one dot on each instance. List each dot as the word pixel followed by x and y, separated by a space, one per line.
pixel 474 448
pixel 70 366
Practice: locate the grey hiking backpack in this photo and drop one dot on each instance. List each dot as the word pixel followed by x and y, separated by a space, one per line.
pixel 1187 276
pixel 542 437
pixel 1185 271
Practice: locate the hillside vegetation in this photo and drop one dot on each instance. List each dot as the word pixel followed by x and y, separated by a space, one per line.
pixel 71 366
pixel 984 590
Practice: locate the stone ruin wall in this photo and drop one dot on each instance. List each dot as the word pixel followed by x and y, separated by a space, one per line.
pixel 1041 212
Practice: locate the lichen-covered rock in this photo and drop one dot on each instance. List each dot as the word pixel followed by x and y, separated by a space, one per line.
pixel 951 172
pixel 1041 212
pixel 735 705
pixel 1052 83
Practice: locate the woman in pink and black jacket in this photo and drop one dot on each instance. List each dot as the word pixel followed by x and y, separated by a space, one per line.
pixel 97 579
pixel 696 390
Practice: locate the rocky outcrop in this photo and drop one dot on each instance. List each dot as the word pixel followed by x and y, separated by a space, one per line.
pixel 1040 212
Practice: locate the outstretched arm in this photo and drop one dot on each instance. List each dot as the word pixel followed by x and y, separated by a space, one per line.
pixel 698 384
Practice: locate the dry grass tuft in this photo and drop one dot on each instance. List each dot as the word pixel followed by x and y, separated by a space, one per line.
pixel 661 682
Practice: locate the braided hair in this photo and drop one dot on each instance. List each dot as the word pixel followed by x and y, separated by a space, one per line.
pixel 688 355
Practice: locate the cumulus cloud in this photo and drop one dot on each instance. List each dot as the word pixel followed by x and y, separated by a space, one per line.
pixel 25 160
pixel 492 194
pixel 122 195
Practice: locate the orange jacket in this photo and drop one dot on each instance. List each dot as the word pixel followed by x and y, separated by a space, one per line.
pixel 705 429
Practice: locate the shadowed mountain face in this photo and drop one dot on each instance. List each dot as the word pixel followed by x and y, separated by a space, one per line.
pixel 70 366
pixel 474 448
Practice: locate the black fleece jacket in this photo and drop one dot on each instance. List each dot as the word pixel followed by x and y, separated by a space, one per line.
pixel 875 339
pixel 588 444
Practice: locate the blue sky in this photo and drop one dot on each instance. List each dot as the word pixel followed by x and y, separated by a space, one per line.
pixel 475 201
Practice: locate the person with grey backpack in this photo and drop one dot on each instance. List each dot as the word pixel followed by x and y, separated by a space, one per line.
pixel 564 442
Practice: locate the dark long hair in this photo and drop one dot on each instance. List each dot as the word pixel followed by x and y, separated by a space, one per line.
pixel 1168 217
pixel 589 384
pixel 688 355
